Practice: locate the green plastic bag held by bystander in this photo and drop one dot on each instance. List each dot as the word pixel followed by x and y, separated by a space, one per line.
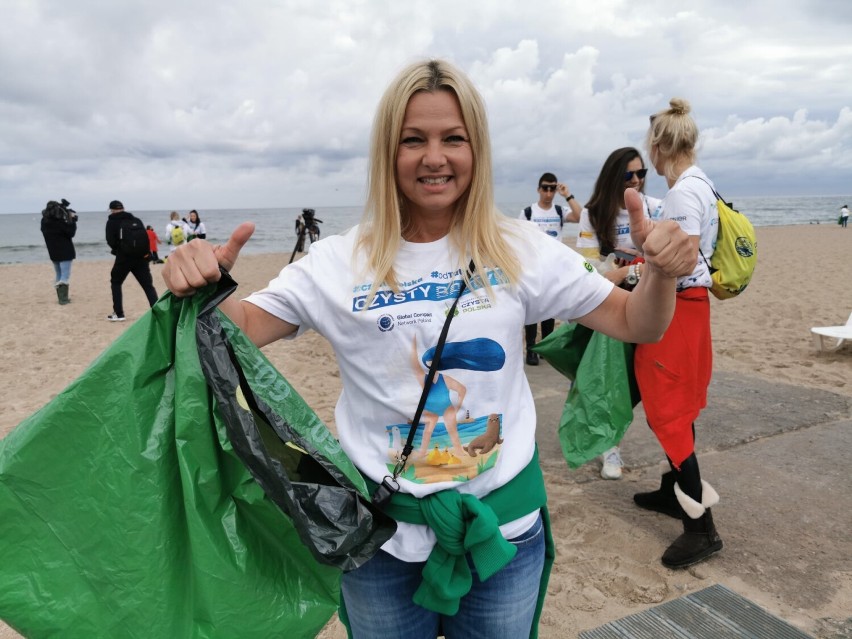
pixel 148 498
pixel 599 406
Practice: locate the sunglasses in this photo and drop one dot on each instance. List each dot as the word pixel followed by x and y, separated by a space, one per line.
pixel 641 173
pixel 547 187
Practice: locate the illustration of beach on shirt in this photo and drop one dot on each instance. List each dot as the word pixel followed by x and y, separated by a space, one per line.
pixel 452 442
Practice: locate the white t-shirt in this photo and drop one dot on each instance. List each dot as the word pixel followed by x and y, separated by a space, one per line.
pixel 588 239
pixel 380 354
pixel 692 204
pixel 844 212
pixel 196 229
pixel 547 220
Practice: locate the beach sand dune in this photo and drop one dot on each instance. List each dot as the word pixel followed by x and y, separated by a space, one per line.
pixel 608 556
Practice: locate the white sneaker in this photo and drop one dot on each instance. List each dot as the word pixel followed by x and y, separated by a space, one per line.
pixel 116 318
pixel 612 464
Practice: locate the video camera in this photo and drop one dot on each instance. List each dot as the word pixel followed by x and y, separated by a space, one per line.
pixel 308 216
pixel 60 211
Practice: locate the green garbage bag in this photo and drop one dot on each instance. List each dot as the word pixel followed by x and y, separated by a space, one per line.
pixel 599 406
pixel 126 512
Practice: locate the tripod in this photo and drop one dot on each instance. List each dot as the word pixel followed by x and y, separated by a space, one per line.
pixel 307 225
pixel 300 242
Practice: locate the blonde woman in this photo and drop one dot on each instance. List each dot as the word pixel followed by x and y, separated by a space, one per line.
pixel 673 374
pixel 389 283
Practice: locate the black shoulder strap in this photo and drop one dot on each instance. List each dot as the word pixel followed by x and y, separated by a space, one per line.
pixel 386 488
pixel 528 212
pixel 559 211
pixel 715 193
pixel 718 197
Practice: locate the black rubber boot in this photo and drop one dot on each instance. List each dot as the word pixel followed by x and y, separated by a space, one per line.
pixel 662 500
pixel 698 541
pixel 62 293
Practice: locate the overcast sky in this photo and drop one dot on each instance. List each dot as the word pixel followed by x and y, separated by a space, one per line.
pixel 264 103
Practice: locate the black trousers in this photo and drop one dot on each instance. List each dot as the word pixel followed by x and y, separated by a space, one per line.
pixel 531 330
pixel 123 267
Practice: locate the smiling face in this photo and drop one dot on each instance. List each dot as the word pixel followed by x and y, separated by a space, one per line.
pixel 434 161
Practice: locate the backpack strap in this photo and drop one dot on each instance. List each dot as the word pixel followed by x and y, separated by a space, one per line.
pixel 715 193
pixel 718 198
pixel 528 214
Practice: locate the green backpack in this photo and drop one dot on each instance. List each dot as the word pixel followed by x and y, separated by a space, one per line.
pixel 735 255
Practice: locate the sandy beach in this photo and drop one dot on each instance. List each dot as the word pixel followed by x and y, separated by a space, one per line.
pixel 607 567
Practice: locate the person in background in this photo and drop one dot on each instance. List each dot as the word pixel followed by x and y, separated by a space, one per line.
pixel 176 231
pixel 196 226
pixel 844 216
pixel 574 206
pixel 550 218
pixel 674 373
pixel 58 226
pixel 154 242
pixel 429 224
pixel 604 228
pixel 125 264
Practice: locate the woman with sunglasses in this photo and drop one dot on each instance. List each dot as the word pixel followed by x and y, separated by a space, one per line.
pixel 429 226
pixel 674 373
pixel 604 229
pixel 605 222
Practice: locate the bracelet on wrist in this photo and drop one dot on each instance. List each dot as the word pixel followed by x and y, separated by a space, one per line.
pixel 568 198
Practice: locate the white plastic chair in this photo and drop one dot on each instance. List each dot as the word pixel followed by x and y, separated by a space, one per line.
pixel 832 338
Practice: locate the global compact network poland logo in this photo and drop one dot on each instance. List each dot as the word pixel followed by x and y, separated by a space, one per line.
pixel 385 323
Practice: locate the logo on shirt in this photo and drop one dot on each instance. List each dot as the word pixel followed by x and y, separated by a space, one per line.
pixel 385 323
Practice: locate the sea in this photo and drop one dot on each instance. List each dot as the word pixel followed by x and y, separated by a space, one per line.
pixel 21 241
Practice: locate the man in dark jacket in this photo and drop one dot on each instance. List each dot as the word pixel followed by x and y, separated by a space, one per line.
pixel 59 225
pixel 125 263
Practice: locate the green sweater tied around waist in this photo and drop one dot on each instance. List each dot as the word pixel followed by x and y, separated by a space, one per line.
pixel 463 524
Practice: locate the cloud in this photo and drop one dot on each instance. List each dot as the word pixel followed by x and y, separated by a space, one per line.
pixel 210 104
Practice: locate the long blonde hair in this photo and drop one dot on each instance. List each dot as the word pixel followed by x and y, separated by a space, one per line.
pixel 674 134
pixel 476 225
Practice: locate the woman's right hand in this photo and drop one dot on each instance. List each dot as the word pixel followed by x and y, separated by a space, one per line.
pixel 195 264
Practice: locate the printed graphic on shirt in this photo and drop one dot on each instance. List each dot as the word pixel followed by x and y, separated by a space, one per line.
pixel 421 291
pixel 451 442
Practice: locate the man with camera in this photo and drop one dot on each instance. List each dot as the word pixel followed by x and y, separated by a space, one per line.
pixel 58 226
pixel 306 223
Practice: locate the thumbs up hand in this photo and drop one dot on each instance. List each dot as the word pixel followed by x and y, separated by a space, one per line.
pixel 666 247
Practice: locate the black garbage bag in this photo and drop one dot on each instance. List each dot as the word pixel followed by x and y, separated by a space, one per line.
pixel 295 459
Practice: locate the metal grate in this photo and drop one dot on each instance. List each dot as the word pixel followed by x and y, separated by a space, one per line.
pixel 713 613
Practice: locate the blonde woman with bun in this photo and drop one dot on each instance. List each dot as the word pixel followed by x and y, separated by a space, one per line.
pixel 674 373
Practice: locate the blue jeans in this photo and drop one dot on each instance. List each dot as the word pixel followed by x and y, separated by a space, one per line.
pixel 63 271
pixel 378 598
